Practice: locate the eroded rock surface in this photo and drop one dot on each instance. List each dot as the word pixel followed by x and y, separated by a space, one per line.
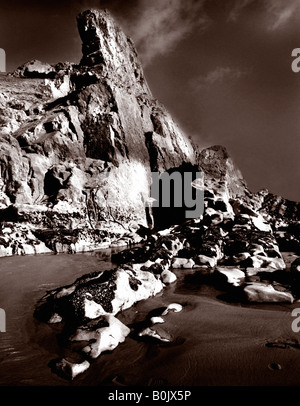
pixel 78 144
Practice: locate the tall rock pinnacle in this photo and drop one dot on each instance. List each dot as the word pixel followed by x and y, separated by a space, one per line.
pixel 104 45
pixel 79 143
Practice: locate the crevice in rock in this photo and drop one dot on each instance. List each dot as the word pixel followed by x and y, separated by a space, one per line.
pixel 54 181
pixel 152 151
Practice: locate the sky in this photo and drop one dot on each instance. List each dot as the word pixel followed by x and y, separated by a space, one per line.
pixel 221 67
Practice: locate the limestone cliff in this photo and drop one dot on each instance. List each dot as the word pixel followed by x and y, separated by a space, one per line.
pixel 78 144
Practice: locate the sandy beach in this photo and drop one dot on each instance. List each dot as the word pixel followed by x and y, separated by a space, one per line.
pixel 213 342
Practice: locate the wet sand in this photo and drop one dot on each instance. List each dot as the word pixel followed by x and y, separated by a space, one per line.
pixel 214 343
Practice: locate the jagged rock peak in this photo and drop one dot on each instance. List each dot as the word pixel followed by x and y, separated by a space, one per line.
pixel 106 46
pixel 216 163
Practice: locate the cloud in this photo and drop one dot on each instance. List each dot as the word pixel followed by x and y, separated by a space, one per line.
pixel 218 75
pixel 281 11
pixel 276 12
pixel 238 8
pixel 160 25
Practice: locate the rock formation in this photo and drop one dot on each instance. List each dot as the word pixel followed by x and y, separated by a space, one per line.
pixel 78 146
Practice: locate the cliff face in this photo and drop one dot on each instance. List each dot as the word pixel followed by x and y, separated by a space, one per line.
pixel 78 144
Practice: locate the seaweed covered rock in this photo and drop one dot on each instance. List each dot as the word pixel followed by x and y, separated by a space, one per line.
pixel 98 294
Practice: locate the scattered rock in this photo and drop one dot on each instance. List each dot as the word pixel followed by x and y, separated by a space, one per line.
pixel 265 293
pixel 183 263
pixel 157 319
pixel 154 333
pixel 168 277
pixel 232 276
pixel 69 369
pixel 78 147
pixel 173 307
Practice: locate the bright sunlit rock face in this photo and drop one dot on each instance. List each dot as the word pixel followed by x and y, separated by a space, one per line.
pixel 78 148
pixel 105 44
pixel 78 142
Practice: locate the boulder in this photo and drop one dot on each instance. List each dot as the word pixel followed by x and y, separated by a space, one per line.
pixel 99 294
pixel 183 263
pixel 69 369
pixel 157 320
pixel 265 293
pixel 156 333
pixel 232 276
pixel 35 69
pixel 205 260
pixel 251 271
pixel 168 277
pixel 172 307
pixel 103 338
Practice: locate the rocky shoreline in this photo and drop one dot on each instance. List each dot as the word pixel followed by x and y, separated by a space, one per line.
pixel 78 146
pixel 233 248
